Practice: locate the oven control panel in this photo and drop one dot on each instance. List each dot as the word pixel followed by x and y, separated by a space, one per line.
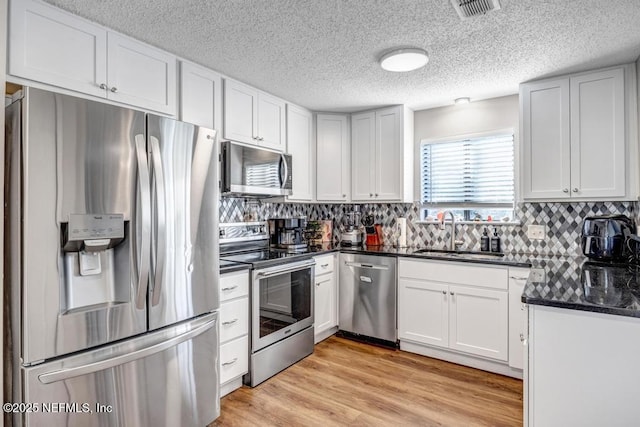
pixel 243 231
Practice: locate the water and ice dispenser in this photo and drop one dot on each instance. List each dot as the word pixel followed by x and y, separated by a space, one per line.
pixel 90 245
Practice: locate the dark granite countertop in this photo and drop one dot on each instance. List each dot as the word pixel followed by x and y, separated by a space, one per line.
pixel 508 259
pixel 579 284
pixel 230 266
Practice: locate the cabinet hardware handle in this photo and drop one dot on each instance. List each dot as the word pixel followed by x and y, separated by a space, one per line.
pixel 575 190
pixel 521 337
pixel 518 278
pixel 444 292
pixel 370 194
pixel 230 362
pixel 230 322
pixel 324 265
pixel 450 292
pixel 230 288
pixel 260 139
pixel 103 86
pixel 376 194
pixel 565 190
pixel 254 138
pixel 114 89
pixel 344 195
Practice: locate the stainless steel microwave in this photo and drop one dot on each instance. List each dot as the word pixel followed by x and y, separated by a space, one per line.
pixel 254 171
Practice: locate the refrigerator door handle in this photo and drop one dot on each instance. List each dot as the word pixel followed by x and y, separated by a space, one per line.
pixel 65 374
pixel 141 265
pixel 160 229
pixel 284 176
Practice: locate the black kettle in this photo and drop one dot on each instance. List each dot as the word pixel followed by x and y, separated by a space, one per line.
pixel 604 237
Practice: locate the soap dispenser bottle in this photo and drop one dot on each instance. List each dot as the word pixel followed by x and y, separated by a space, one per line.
pixel 495 241
pixel 485 246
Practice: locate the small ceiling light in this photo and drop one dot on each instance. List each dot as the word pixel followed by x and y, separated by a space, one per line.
pixel 459 101
pixel 401 60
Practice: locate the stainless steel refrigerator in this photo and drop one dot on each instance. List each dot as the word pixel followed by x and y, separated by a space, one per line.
pixel 112 266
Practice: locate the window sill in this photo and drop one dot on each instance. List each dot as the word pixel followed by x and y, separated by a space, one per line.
pixel 472 222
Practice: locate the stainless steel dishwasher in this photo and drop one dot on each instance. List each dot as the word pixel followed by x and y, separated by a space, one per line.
pixel 367 297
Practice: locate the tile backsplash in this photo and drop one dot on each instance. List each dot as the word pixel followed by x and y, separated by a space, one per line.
pixel 562 222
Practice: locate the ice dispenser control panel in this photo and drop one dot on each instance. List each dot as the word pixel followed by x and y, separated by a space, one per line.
pixel 93 232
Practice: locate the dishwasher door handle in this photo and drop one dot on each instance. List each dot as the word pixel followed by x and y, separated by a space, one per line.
pixel 369 266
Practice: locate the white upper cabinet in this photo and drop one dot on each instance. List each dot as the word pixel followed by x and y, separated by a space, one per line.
pixel 300 146
pixel 253 117
pixel 51 46
pixel 200 96
pixel 333 164
pixel 577 134
pixel 382 153
pixel 140 75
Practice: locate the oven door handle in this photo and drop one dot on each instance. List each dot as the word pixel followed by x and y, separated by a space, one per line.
pixel 289 269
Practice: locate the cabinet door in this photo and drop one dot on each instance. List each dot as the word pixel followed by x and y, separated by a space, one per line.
pixel 240 110
pixel 325 303
pixel 141 75
pixel 363 169
pixel 332 158
pixel 423 312
pixel 598 134
pixel 478 321
pixel 388 155
pixel 51 46
pixel 517 317
pixel 200 96
pixel 299 145
pixel 546 153
pixel 271 122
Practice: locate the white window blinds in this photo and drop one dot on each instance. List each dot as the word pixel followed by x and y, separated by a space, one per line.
pixel 475 172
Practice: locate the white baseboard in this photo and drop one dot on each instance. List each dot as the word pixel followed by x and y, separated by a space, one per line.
pixel 461 359
pixel 321 336
pixel 230 386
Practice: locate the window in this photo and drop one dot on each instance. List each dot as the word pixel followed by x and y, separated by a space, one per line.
pixel 472 177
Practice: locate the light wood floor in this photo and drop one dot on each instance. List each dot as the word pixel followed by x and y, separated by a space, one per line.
pixel 347 383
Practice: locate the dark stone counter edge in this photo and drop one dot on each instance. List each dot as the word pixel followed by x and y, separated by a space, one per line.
pixel 497 261
pixel 582 306
pixel 232 268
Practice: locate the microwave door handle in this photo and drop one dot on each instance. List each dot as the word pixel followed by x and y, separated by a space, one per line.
pixel 161 224
pixel 142 248
pixel 283 168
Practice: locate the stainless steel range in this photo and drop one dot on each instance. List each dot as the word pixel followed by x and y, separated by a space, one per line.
pixel 281 298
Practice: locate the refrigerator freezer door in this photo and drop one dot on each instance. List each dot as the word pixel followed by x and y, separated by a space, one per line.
pixel 78 158
pixel 183 159
pixel 165 378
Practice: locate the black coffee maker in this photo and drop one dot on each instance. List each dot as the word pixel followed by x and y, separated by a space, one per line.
pixel 604 237
pixel 288 234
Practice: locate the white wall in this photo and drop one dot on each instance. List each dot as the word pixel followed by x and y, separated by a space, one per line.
pixel 475 117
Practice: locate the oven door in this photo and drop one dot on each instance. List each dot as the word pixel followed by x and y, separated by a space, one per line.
pixel 282 302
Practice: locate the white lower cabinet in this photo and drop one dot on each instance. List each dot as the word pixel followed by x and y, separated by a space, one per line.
pixel 582 369
pixel 455 309
pixel 517 317
pixel 234 330
pixel 325 297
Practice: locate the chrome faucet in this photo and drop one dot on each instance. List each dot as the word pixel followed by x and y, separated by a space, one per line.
pixel 453 243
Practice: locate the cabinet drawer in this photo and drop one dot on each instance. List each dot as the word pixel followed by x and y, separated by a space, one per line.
pixel 234 319
pixel 455 273
pixel 234 359
pixel 234 285
pixel 324 264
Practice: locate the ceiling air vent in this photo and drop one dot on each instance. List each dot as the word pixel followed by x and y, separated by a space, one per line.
pixel 470 8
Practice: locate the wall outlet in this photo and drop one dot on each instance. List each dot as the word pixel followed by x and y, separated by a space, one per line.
pixel 537 275
pixel 536 232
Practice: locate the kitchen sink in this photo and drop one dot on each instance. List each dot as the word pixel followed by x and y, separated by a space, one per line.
pixel 459 254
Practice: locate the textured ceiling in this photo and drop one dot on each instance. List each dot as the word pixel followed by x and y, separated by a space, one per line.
pixel 323 54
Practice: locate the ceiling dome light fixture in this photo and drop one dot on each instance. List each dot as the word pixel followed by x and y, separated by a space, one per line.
pixel 464 100
pixel 402 60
